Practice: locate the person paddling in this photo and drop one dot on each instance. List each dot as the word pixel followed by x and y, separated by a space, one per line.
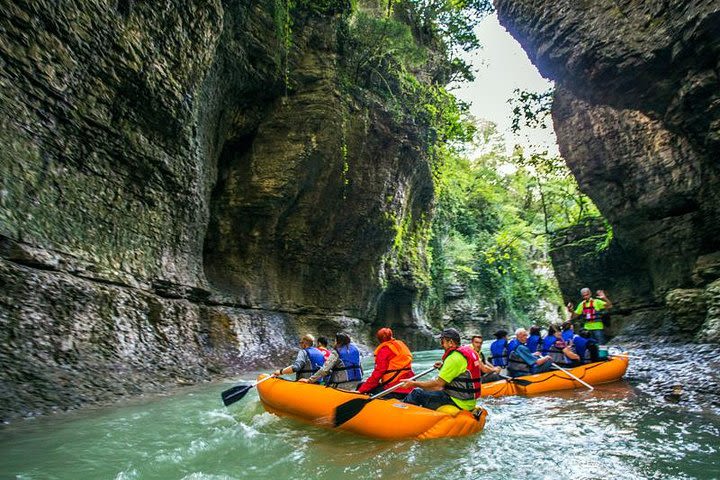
pixel 524 362
pixel 458 381
pixel 343 365
pixel 490 373
pixel 393 364
pixel 308 361
pixel 498 349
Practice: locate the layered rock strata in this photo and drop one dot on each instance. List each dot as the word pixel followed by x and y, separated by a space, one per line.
pixel 183 193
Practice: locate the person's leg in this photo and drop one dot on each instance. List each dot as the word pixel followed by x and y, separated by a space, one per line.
pixel 545 367
pixel 424 398
pixel 598 335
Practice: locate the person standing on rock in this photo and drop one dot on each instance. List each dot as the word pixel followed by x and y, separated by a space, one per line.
pixel 393 364
pixel 591 309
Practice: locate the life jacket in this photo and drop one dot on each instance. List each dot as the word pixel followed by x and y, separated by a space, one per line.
pixel 324 351
pixel 347 368
pixel 512 345
pixel 579 346
pixel 532 343
pixel 517 366
pixel 465 386
pixel 316 361
pixel 556 351
pixel 548 341
pixel 568 335
pixel 400 363
pixel 498 348
pixel 590 315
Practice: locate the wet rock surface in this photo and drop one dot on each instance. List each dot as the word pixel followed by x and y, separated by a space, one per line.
pixel 637 120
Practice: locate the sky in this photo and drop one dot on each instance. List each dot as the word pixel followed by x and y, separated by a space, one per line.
pixel 502 66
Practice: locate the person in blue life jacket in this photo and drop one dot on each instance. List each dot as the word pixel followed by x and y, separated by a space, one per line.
pixel 342 366
pixel 585 347
pixel 512 345
pixel 533 341
pixel 524 362
pixel 308 360
pixel 458 381
pixel 568 331
pixel 498 349
pixel 557 348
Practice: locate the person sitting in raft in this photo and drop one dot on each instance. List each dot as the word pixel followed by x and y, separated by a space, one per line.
pixel 558 349
pixel 489 371
pixel 585 347
pixel 568 331
pixel 498 349
pixel 533 341
pixel 393 364
pixel 322 343
pixel 549 339
pixel 458 382
pixel 342 366
pixel 590 310
pixel 308 361
pixel 524 362
pixel 512 344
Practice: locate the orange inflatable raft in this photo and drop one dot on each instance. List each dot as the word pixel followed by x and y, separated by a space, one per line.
pixel 380 418
pixel 592 373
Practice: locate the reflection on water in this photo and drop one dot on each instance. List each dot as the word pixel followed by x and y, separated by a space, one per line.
pixel 625 430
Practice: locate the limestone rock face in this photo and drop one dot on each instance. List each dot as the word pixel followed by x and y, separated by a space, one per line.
pixel 637 115
pixel 184 194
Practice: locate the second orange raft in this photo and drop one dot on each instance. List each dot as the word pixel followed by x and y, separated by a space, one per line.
pixel 592 373
pixel 383 419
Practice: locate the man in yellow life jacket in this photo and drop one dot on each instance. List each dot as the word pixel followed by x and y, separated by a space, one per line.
pixel 458 381
pixel 589 309
pixel 393 364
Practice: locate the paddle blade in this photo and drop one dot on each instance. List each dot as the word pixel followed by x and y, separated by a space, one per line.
pixel 234 394
pixel 349 409
pixel 521 382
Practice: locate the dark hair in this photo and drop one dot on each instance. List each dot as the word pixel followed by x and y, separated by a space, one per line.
pixel 552 329
pixel 584 333
pixel 342 339
pixel 535 330
pixel 322 341
pixel 566 326
pixel 500 334
pixel 476 336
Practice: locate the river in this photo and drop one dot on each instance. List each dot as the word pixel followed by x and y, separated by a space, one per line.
pixel 630 429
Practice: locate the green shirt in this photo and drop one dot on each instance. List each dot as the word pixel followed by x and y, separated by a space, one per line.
pixel 454 365
pixel 598 305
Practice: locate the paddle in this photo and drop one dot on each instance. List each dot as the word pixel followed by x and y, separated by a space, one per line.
pixel 232 395
pixel 573 376
pixel 519 381
pixel 349 409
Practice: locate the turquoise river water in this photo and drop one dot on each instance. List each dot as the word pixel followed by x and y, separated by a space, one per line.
pixel 624 430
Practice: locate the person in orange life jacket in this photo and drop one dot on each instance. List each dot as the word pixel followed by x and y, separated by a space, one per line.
pixel 393 363
pixel 458 381
pixel 533 341
pixel 524 362
pixel 498 349
pixel 342 366
pixel 557 348
pixel 489 371
pixel 590 310
pixel 308 361
pixel 322 343
pixel 568 331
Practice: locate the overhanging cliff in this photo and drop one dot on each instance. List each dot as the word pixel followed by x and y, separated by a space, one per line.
pixel 637 115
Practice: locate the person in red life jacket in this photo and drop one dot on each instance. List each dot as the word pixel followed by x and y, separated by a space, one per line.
pixel 591 310
pixel 489 371
pixel 393 364
pixel 322 343
pixel 342 366
pixel 308 361
pixel 458 382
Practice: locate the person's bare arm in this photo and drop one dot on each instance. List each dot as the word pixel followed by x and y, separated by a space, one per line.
pixel 432 385
pixel 602 296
